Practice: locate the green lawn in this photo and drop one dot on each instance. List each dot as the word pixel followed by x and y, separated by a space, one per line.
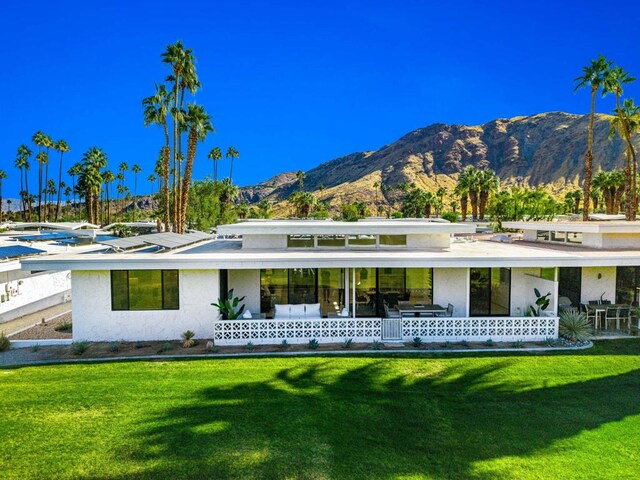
pixel 494 416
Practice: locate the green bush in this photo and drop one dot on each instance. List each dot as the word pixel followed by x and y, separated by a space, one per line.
pixel 489 343
pixel 35 348
pixel 376 345
pixel 348 343
pixel 78 348
pixel 187 339
pixel 396 214
pixel 114 347
pixel 284 345
pixel 464 343
pixel 574 327
pixel 64 327
pixel 166 346
pixel 313 344
pixel 450 216
pixel 250 346
pixel 5 343
pixel 417 342
pixel 517 344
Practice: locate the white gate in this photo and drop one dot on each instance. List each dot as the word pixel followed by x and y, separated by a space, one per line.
pixel 392 329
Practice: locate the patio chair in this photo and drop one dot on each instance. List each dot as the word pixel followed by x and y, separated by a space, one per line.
pixel 591 314
pixel 390 312
pixel 448 313
pixel 611 314
pixel 624 313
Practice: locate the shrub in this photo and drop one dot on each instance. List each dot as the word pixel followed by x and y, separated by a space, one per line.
pixel 166 347
pixel 348 343
pixel 313 344
pixel 396 214
pixel 63 327
pixel 35 348
pixel 114 347
pixel 78 348
pixel 550 341
pixel 417 342
pixel 489 343
pixel 5 343
pixel 450 216
pixel 446 345
pixel 376 345
pixel 464 343
pixel 574 327
pixel 250 346
pixel 517 344
pixel 187 339
pixel 284 344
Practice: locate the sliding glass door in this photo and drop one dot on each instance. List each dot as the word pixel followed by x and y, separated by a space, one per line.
pixel 490 291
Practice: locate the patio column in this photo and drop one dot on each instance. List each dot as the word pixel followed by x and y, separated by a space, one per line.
pixel 353 293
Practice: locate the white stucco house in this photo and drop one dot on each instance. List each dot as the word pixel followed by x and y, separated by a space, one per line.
pixel 389 280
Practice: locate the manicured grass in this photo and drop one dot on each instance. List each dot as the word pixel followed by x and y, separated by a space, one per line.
pixel 495 416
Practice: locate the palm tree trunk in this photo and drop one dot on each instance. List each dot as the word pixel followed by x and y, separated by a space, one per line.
pixel 188 169
pixel 39 191
pixel 588 159
pixel 463 207
pixel 59 186
pixel 473 198
pixel 484 197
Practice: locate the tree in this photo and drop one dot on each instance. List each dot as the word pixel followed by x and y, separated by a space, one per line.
pixel 152 179
pixel 232 153
pixel 415 202
pixel 3 176
pixel 612 186
pixel 264 208
pixel 136 170
pixel 22 163
pixel 62 147
pixel 467 189
pixel 199 124
pixel 488 183
pixel 48 144
pixel 593 76
pixel 90 180
pixel 215 155
pixel 39 140
pixel 300 176
pixel 156 109
pixel 226 192
pixel 73 172
pixel 303 202
pixel 108 178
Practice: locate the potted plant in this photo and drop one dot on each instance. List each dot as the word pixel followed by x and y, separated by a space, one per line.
pixel 228 307
pixel 542 302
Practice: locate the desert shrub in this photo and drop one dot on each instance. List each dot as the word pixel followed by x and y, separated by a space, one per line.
pixel 5 343
pixel 550 342
pixel 78 348
pixel 396 214
pixel 450 216
pixel 348 343
pixel 574 327
pixel 517 344
pixel 313 344
pixel 114 347
pixel 446 344
pixel 63 327
pixel 284 344
pixel 167 346
pixel 35 348
pixel 187 339
pixel 417 342
pixel 250 346
pixel 377 345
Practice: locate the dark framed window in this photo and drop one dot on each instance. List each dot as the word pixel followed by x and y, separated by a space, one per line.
pixel 627 285
pixel 144 290
pixel 570 284
pixel 490 291
pixel 377 288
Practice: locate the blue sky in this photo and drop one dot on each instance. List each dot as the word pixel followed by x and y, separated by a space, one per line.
pixel 293 84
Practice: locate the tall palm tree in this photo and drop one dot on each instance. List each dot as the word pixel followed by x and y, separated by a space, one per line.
pixel 3 176
pixel 199 123
pixel 593 76
pixel 156 109
pixel 62 147
pixel 22 162
pixel 39 140
pixel 232 153
pixel 215 155
pixel 108 178
pixel 90 181
pixel 50 190
pixel 152 180
pixel 73 172
pixel 136 170
pixel 48 144
pixel 489 183
pixel 226 192
pixel 300 176
pixel 303 202
pixel 123 167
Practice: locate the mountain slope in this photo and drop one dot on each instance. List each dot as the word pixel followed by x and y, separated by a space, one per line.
pixel 546 148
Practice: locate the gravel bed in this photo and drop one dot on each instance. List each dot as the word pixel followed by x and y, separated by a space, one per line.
pixel 43 331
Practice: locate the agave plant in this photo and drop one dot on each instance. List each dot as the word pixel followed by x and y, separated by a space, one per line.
pixel 229 306
pixel 574 327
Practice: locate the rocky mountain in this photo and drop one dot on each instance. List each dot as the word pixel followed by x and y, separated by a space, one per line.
pixel 546 148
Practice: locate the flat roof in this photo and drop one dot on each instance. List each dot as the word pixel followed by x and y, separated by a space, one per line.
pixel 329 227
pixel 226 254
pixel 581 227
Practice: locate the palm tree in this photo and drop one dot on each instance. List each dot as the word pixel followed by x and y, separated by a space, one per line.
pixel 48 144
pixel 90 181
pixel 303 202
pixel 462 191
pixel 152 180
pixel 3 176
pixel 22 162
pixel 215 155
pixel 136 170
pixel 108 178
pixel 612 186
pixel 62 147
pixel 593 76
pixel 50 190
pixel 489 183
pixel 226 192
pixel 232 153
pixel 300 176
pixel 74 171
pixel 156 109
pixel 123 167
pixel 199 123
pixel 39 140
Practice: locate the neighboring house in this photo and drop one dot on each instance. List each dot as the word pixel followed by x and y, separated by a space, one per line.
pixel 366 280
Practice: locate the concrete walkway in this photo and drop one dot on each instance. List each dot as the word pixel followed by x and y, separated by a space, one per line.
pixel 25 321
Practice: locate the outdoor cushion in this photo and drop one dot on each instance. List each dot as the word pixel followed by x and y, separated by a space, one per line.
pixel 297 311
pixel 282 311
pixel 312 310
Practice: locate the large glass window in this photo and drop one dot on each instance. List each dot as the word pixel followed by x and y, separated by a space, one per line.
pixel 490 291
pixel 331 241
pixel 393 240
pixel 331 290
pixel 366 292
pixel 144 290
pixel 274 288
pixel 302 286
pixel 627 285
pixel 300 241
pixel 362 240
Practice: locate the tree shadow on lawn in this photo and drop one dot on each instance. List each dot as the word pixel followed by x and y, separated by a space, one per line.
pixel 309 422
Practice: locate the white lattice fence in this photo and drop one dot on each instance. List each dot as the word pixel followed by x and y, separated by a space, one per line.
pixel 265 332
pixel 498 329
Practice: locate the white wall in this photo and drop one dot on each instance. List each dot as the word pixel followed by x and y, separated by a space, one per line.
pixel 94 320
pixel 246 283
pixel 593 287
pixel 523 281
pixel 264 242
pixel 451 285
pixel 435 240
pixel 33 291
